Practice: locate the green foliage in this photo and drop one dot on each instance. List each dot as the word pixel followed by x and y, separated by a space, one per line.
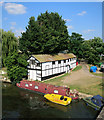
pixel 16 66
pixel 75 44
pixel 77 68
pixel 92 49
pixel 30 40
pixel 0 47
pixel 46 35
pixel 9 44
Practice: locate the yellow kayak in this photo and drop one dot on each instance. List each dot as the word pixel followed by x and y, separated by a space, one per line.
pixel 59 99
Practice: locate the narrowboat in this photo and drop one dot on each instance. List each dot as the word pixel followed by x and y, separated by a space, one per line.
pixel 46 88
pixel 96 102
pixel 59 99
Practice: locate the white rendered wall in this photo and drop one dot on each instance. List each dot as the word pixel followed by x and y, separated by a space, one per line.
pixel 50 69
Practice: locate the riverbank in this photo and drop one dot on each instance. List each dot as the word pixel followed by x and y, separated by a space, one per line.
pixel 101 115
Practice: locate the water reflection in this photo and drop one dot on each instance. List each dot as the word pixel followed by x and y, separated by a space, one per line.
pixel 20 103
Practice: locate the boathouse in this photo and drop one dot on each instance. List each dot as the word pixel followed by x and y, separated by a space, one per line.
pixel 44 66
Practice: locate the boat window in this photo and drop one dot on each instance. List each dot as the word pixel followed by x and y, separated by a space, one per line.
pixel 95 101
pixel 45 88
pixel 26 85
pixel 62 97
pixel 36 87
pixel 55 91
pixel 65 99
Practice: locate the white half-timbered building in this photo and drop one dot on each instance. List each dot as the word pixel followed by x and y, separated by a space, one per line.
pixel 44 66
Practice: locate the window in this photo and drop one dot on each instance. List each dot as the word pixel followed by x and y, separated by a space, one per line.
pixel 64 61
pixel 65 99
pixel 68 60
pixel 38 64
pixel 45 88
pixel 30 84
pixel 55 91
pixel 53 62
pixel 26 85
pixel 62 97
pixel 36 87
pixel 59 61
pixel 33 62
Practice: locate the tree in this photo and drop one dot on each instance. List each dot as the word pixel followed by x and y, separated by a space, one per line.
pixel 0 47
pixel 92 49
pixel 30 40
pixel 16 66
pixel 75 44
pixel 46 35
pixel 54 32
pixel 9 44
pixel 97 44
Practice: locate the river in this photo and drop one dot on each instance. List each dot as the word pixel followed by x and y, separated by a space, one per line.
pixel 20 103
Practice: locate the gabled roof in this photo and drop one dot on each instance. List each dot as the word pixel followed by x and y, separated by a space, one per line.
pixel 48 57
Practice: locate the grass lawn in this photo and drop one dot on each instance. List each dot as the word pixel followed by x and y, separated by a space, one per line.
pixel 81 81
pixel 58 80
pixel 98 74
pixel 77 68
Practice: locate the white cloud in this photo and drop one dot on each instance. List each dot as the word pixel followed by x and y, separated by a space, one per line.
pixel 82 13
pixel 67 20
pixel 13 8
pixel 89 30
pixel 70 27
pixel 12 27
pixel 13 23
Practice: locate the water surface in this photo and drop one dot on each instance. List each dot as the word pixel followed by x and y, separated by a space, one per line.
pixel 20 103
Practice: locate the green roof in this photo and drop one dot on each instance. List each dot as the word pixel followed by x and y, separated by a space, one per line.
pixel 48 57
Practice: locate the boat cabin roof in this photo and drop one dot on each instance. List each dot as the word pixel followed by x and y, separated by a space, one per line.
pixel 98 100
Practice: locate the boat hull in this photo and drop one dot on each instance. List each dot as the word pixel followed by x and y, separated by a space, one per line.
pixel 89 103
pixel 58 99
pixel 45 88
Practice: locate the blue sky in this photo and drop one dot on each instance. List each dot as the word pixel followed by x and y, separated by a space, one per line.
pixel 81 17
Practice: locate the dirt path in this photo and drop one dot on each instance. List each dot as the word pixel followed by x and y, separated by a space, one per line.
pixel 83 81
pixel 80 76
